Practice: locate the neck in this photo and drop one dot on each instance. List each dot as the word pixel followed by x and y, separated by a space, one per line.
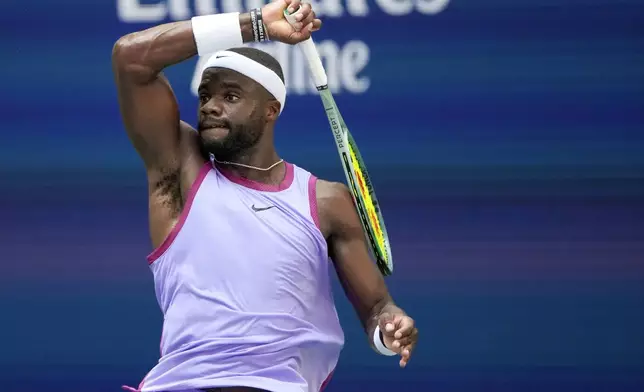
pixel 258 159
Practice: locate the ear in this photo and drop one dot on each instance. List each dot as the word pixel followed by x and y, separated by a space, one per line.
pixel 273 109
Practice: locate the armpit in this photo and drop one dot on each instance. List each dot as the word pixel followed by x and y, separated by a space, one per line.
pixel 166 190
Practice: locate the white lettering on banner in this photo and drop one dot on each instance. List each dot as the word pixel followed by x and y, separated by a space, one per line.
pixel 431 7
pixel 136 11
pixel 406 7
pixel 205 7
pixel 179 9
pixel 357 7
pixel 396 7
pixel 343 67
pixel 355 57
pixel 329 8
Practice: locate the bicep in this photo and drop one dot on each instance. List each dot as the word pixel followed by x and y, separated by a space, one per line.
pixel 151 117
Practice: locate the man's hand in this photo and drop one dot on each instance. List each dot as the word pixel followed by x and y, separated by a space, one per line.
pixel 278 27
pixel 399 333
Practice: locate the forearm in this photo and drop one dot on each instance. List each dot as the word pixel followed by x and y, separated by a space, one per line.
pixel 146 53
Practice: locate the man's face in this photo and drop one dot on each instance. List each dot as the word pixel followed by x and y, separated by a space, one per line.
pixel 231 112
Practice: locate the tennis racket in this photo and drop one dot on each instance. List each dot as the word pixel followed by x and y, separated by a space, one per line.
pixel 355 169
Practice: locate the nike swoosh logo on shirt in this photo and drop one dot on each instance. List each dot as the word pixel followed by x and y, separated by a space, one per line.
pixel 258 209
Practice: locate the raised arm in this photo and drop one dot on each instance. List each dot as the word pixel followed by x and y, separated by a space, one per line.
pixel 388 327
pixel 150 112
pixel 148 106
pixel 169 148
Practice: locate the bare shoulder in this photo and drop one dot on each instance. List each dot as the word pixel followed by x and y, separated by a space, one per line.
pixel 335 207
pixel 330 191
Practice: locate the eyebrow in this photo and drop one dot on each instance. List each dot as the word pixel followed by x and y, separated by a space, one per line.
pixel 227 84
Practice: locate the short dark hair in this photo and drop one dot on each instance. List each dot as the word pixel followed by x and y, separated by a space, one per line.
pixel 261 57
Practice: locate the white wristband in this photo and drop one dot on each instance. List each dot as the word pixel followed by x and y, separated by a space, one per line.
pixel 380 346
pixel 216 32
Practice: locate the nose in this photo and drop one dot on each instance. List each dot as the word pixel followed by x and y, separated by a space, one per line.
pixel 212 108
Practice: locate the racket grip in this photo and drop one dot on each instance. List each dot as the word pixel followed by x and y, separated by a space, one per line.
pixel 311 55
pixel 314 61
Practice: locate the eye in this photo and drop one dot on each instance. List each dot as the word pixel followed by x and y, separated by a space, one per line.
pixel 203 98
pixel 231 97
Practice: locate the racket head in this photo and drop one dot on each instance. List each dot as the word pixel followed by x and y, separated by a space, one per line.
pixel 368 205
pixel 360 184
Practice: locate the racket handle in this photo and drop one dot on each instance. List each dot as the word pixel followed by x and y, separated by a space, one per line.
pixel 311 55
pixel 314 61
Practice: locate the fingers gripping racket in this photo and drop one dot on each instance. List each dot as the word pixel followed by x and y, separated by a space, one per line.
pixel 355 170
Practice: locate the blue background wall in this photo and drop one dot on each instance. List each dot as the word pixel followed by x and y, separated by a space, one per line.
pixel 506 142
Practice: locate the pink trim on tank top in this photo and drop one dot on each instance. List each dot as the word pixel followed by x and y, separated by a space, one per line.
pixel 313 200
pixel 327 380
pixel 192 192
pixel 259 186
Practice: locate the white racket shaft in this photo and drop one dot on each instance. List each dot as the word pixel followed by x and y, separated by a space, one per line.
pixel 311 55
pixel 318 74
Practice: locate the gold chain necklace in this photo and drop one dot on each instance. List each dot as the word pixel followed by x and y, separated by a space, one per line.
pixel 247 166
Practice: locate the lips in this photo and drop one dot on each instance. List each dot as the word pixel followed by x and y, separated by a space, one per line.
pixel 213 124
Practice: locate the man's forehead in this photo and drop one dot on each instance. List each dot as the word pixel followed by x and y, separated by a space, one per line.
pixel 219 75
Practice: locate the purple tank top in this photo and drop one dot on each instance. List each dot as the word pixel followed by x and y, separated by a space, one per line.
pixel 243 282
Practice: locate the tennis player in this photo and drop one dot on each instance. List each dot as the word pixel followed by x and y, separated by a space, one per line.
pixel 242 238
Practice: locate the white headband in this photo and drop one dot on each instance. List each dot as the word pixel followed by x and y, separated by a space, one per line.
pixel 252 69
